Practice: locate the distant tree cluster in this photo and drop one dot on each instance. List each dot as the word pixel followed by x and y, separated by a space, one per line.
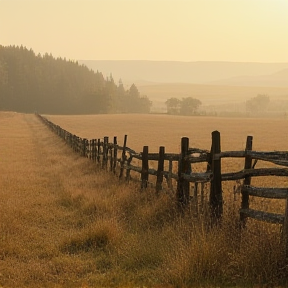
pixel 257 104
pixel 186 106
pixel 30 83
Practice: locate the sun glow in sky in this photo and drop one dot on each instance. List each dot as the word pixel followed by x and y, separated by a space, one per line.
pixel 175 30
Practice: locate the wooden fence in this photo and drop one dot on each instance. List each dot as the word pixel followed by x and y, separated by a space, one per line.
pixel 107 155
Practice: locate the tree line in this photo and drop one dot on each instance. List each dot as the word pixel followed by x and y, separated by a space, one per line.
pixel 254 106
pixel 186 106
pixel 44 84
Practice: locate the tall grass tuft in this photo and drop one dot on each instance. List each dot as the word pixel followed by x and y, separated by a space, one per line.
pixel 99 235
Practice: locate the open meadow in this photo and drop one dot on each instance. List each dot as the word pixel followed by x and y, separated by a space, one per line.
pixel 269 134
pixel 167 130
pixel 66 223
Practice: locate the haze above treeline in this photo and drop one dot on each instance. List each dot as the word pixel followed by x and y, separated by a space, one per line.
pixel 200 72
pixel 222 87
pixel 43 83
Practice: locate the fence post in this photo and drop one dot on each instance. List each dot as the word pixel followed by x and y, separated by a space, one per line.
pixel 216 200
pixel 160 169
pixel 145 167
pixel 90 145
pixel 84 146
pixel 184 167
pixel 123 158
pixel 114 154
pixel 91 149
pixel 110 149
pixel 105 153
pixel 74 142
pixel 128 170
pixel 94 150
pixel 169 180
pixel 77 144
pixel 71 140
pixel 98 150
pixel 247 181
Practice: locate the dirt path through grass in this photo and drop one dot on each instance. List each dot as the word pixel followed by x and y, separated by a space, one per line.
pixel 39 175
pixel 59 224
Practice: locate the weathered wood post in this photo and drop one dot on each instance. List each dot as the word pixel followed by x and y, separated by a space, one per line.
pixel 71 140
pixel 74 142
pixel 105 153
pixel 94 150
pixel 247 181
pixel 87 151
pixel 160 169
pixel 114 154
pixel 67 137
pixel 128 170
pixel 216 200
pixel 145 167
pixel 110 148
pixel 84 146
pixel 169 180
pixel 98 150
pixel 184 167
pixel 123 158
pixel 90 149
pixel 80 145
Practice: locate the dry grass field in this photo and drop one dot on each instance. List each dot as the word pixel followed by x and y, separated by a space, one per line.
pixel 269 134
pixel 167 130
pixel 66 223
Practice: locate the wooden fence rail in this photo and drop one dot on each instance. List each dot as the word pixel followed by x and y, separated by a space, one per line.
pixel 107 155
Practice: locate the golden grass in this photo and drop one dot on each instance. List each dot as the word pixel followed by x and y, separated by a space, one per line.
pixel 66 223
pixel 165 130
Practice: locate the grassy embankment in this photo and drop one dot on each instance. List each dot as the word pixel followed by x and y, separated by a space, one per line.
pixel 65 223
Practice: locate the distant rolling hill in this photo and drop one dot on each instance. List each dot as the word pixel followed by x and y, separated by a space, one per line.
pixel 213 83
pixel 278 79
pixel 210 94
pixel 147 72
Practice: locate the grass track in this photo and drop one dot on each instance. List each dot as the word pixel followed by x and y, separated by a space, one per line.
pixel 41 179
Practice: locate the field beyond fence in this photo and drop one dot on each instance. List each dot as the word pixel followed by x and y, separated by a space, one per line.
pixel 123 161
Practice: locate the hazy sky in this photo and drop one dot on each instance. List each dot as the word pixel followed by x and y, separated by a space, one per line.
pixel 176 30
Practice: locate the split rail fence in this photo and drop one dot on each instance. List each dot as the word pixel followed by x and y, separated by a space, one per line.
pixel 106 154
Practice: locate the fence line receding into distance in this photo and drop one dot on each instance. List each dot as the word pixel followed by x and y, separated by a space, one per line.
pixel 107 155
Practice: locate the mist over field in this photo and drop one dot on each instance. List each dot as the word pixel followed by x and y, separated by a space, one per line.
pixel 222 87
pixel 43 83
pixel 143 143
pixel 200 72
